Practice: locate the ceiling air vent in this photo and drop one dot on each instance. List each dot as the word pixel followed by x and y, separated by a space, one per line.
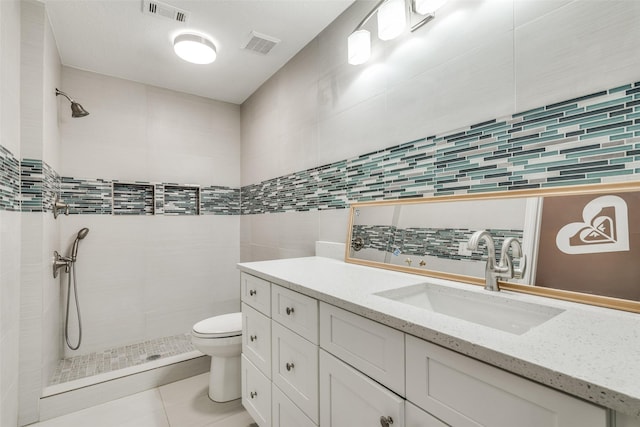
pixel 163 10
pixel 259 43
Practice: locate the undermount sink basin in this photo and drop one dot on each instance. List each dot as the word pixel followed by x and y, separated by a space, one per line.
pixel 488 309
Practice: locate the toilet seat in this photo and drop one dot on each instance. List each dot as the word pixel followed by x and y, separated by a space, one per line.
pixel 224 326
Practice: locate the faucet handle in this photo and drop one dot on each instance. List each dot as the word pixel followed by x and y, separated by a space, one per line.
pixel 518 273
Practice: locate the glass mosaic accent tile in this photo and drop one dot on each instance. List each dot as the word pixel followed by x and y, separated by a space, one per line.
pixel 573 142
pixel 9 181
pixel 589 139
pixel 113 359
pixel 181 200
pixel 133 199
pixel 86 196
pixel 39 184
pixel 217 200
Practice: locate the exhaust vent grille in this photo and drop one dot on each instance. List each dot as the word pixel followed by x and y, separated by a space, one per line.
pixel 163 10
pixel 259 43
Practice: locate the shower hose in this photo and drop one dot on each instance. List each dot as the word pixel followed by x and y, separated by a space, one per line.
pixel 75 293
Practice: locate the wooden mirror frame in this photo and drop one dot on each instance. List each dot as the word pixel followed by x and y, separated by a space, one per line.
pixel 591 299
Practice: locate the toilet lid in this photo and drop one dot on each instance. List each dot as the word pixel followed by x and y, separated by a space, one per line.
pixel 226 325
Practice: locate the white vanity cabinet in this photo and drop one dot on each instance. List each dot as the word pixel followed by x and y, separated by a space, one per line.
pixel 349 398
pixel 464 392
pixel 279 355
pixel 333 368
pixel 256 348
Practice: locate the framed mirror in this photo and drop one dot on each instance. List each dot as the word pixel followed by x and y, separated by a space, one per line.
pixel 581 243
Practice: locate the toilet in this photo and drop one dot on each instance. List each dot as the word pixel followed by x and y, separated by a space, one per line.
pixel 221 338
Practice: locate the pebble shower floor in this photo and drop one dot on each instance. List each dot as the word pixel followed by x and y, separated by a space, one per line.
pixel 113 359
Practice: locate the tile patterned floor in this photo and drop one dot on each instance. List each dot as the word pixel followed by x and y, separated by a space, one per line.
pixel 121 357
pixel 180 404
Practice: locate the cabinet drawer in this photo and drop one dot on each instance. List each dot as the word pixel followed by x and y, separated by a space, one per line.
pixel 370 347
pixel 350 399
pixel 416 417
pixel 295 368
pixel 285 413
pixel 295 311
pixel 464 392
pixel 256 393
pixel 256 338
pixel 256 292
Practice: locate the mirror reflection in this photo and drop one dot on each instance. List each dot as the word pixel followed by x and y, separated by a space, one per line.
pixel 580 243
pixel 433 236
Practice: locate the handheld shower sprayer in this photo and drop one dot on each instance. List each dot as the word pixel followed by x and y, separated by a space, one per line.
pixel 74 250
pixel 69 264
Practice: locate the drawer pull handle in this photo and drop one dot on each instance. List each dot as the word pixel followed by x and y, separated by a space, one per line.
pixel 252 292
pixel 253 394
pixel 386 421
pixel 289 311
pixel 290 366
pixel 253 337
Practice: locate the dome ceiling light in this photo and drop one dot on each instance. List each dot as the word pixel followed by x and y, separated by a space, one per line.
pixel 195 48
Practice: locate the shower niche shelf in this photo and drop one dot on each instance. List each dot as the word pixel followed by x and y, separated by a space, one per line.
pixel 133 198
pixel 181 199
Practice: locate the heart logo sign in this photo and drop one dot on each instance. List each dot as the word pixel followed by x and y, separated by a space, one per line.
pixel 605 228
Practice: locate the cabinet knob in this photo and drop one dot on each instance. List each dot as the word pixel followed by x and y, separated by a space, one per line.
pixel 386 421
pixel 252 292
pixel 289 311
pixel 289 366
pixel 253 337
pixel 253 394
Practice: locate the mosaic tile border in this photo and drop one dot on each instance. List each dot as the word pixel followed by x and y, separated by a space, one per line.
pixel 9 181
pixel 133 198
pixel 584 140
pixel 105 197
pixel 39 184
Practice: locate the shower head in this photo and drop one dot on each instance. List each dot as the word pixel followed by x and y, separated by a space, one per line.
pixel 81 235
pixel 76 109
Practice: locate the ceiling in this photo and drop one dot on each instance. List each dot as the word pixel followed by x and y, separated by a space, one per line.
pixel 114 37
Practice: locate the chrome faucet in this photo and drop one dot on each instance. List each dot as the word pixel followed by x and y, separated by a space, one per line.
pixel 504 269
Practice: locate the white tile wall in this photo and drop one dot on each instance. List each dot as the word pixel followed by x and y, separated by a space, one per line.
pixel 476 61
pixel 583 47
pixel 147 277
pixel 161 135
pixel 40 296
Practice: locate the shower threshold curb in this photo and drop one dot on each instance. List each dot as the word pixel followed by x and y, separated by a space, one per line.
pixel 72 396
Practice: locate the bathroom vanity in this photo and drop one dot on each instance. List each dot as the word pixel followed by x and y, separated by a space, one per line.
pixel 331 344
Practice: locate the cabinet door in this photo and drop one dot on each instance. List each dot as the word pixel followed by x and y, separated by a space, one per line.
pixel 348 398
pixel 372 348
pixel 256 393
pixel 295 311
pixel 416 417
pixel 285 413
pixel 256 292
pixel 464 392
pixel 294 368
pixel 256 338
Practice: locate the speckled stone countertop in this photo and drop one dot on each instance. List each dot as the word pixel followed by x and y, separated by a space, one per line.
pixel 589 352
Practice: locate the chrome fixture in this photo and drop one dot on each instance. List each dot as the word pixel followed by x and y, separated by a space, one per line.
pixel 69 264
pixel 194 48
pixel 503 270
pixel 392 21
pixel 59 207
pixel 76 109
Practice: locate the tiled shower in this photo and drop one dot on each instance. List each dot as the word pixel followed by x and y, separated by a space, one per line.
pixel 176 189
